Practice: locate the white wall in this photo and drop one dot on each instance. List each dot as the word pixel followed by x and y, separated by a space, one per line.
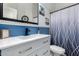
pixel 42 19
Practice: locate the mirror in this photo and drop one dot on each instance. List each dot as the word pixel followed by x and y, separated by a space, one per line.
pixel 27 12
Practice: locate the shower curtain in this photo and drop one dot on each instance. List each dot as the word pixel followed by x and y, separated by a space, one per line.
pixel 65 29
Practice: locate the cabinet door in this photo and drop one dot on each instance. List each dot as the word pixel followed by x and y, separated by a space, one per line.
pixel 44 51
pixel 42 41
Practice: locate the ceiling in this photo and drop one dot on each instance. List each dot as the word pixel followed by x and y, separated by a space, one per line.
pixel 55 6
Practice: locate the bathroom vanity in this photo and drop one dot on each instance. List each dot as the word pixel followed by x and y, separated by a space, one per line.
pixel 32 45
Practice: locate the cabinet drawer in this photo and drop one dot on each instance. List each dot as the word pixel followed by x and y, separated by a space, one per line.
pixel 41 51
pixel 19 50
pixel 34 53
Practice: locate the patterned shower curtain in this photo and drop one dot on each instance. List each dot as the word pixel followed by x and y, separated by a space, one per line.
pixel 65 30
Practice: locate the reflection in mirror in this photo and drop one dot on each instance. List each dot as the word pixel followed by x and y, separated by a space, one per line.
pixel 21 11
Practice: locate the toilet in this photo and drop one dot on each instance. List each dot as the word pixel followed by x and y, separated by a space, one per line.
pixel 57 51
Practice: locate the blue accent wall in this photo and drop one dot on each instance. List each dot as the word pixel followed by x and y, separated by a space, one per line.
pixel 18 30
pixel 33 30
pixel 44 30
pixel 21 30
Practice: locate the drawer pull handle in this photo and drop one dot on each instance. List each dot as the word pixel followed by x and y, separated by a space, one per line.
pixel 45 41
pixel 25 50
pixel 28 49
pixel 45 52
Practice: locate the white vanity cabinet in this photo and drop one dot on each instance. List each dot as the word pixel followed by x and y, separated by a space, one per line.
pixel 39 46
pixel 41 51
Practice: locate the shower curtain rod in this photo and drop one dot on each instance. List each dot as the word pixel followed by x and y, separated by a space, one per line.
pixel 64 8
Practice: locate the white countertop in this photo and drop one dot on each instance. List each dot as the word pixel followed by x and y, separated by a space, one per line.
pixel 12 41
